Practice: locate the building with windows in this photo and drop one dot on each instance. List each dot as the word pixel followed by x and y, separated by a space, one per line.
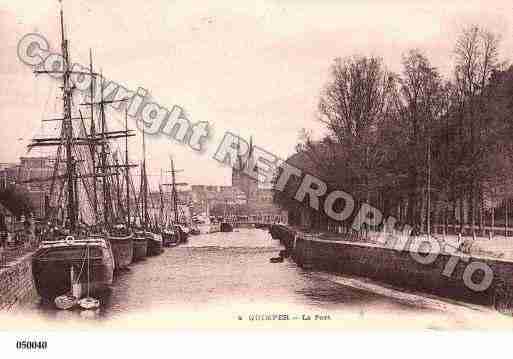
pixel 32 174
pixel 245 195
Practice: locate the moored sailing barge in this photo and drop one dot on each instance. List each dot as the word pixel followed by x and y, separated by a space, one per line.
pixel 150 233
pixel 70 259
pixel 140 246
pixel 121 240
pixel 173 233
pixel 155 245
pixel 58 265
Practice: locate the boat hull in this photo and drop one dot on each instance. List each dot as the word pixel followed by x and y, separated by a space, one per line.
pixel 184 235
pixel 169 239
pixel 184 238
pixel 140 245
pixel 122 249
pixel 226 227
pixel 209 228
pixel 195 231
pixel 52 276
pixel 155 246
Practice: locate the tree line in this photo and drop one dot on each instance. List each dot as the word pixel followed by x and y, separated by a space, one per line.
pixel 421 147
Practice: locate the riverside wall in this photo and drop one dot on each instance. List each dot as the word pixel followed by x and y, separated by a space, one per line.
pixel 16 283
pixel 400 268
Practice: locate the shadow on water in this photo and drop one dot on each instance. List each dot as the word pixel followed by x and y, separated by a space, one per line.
pixel 221 269
pixel 323 291
pixel 327 292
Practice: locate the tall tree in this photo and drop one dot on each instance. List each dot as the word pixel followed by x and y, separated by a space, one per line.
pixel 477 58
pixel 421 104
pixel 353 104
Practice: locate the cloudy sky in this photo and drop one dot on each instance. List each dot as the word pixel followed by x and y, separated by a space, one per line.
pixel 254 69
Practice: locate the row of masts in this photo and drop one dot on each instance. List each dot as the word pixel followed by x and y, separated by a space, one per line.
pixel 103 166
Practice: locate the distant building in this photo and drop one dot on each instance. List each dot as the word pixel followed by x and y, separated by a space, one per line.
pixel 33 174
pixel 243 193
pixel 259 200
pixel 245 183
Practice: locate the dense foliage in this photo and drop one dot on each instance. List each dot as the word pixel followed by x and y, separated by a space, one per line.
pixel 394 137
pixel 16 200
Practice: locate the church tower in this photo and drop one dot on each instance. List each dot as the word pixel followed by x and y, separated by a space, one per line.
pixel 241 180
pixel 245 183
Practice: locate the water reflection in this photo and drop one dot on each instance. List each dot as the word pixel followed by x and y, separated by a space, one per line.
pixel 219 270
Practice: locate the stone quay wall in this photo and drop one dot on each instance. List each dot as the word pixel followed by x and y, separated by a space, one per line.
pixel 16 283
pixel 399 268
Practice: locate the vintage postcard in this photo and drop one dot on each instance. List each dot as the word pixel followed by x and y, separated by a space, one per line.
pixel 280 164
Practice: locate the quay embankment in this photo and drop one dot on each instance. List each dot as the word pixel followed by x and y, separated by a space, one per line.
pixel 16 283
pixel 446 275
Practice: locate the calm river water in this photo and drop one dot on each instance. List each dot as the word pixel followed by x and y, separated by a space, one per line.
pixel 223 279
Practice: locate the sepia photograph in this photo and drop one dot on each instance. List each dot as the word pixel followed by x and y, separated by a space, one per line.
pixel 234 165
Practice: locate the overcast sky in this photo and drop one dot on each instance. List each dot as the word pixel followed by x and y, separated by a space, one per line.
pixel 252 69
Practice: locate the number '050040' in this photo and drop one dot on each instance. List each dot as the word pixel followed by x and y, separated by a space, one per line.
pixel 31 345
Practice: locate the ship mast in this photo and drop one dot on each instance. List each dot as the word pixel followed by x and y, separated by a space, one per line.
pixel 127 171
pixel 174 193
pixel 68 131
pixel 175 204
pixel 68 141
pixel 161 214
pixel 118 188
pixel 145 182
pixel 93 134
pixel 103 160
